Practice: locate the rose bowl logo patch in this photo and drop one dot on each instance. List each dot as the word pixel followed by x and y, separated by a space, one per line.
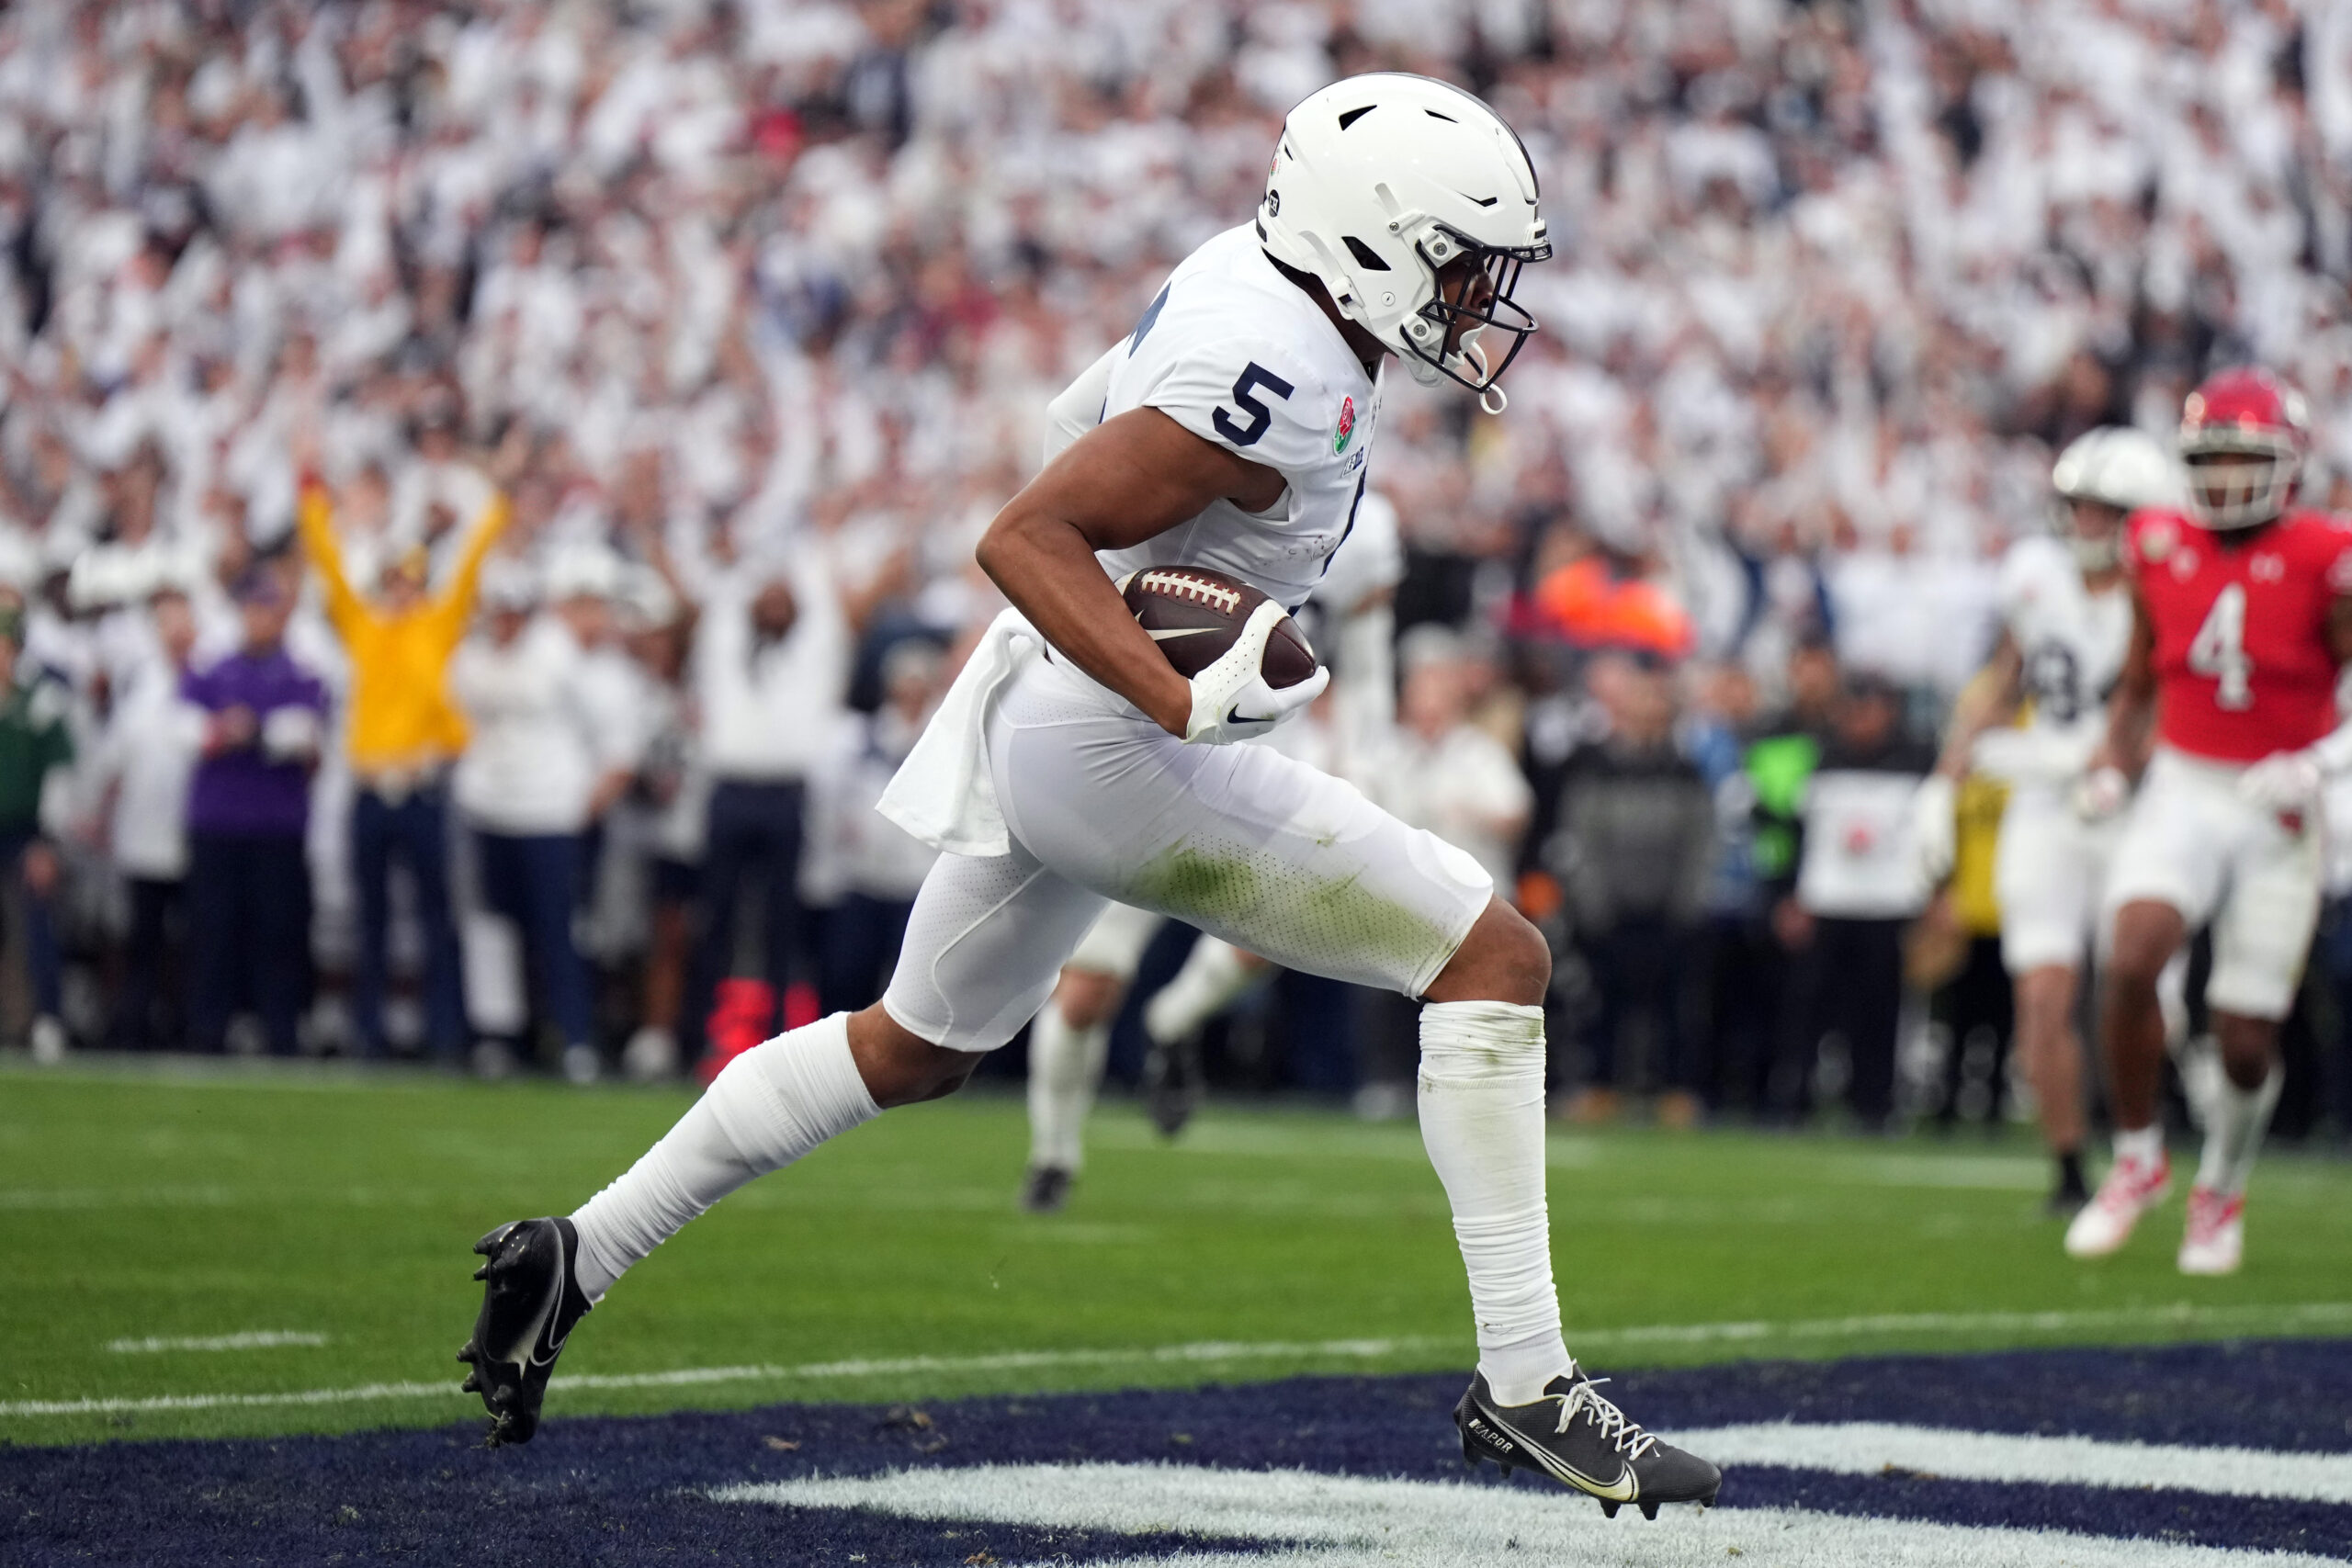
pixel 1347 426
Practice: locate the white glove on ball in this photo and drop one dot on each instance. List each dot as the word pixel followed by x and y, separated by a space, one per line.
pixel 1230 699
pixel 2284 781
pixel 1935 830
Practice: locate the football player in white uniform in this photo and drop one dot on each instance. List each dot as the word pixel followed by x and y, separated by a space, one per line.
pixel 2067 626
pixel 1069 1039
pixel 1070 766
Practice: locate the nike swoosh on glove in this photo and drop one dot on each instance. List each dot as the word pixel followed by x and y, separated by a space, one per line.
pixel 1230 699
pixel 1935 828
pixel 2284 781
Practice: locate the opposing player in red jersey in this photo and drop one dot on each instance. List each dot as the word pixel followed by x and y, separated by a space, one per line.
pixel 2242 616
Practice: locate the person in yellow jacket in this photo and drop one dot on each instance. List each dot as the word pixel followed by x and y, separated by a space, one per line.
pixel 401 735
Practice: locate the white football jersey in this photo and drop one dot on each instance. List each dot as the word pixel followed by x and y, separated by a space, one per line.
pixel 1238 354
pixel 2072 641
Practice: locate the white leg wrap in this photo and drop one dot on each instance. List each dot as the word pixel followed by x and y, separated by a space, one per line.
pixel 1064 1069
pixel 2234 1124
pixel 1482 1122
pixel 1214 974
pixel 772 1104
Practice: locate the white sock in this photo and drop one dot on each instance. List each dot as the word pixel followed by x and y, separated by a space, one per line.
pixel 1064 1069
pixel 2233 1128
pixel 1214 974
pixel 2146 1145
pixel 772 1104
pixel 1482 1122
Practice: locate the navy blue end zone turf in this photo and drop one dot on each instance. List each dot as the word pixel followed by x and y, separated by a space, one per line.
pixel 634 1490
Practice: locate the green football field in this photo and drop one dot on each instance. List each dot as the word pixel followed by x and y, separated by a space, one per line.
pixel 254 1250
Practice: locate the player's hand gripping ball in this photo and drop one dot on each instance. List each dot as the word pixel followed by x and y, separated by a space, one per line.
pixel 1249 664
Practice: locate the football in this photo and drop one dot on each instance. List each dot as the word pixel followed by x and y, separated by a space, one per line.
pixel 1194 614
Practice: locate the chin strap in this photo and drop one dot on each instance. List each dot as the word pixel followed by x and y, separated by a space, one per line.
pixel 1491 397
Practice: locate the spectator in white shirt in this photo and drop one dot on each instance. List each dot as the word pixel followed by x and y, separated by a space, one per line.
pixel 864 869
pixel 583 584
pixel 536 773
pixel 772 658
pixel 145 759
pixel 1443 773
pixel 673 790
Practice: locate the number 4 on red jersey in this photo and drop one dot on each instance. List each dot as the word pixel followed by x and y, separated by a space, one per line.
pixel 2241 653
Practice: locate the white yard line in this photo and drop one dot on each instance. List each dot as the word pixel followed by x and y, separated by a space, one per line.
pixel 2181 1314
pixel 1301 1519
pixel 2304 1317
pixel 1866 1448
pixel 253 1339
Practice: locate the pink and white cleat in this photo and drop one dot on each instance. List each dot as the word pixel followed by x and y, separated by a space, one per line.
pixel 2215 1240
pixel 2133 1188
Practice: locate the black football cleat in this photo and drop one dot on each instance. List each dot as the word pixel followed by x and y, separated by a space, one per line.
pixel 1171 1083
pixel 1045 1189
pixel 1584 1442
pixel 531 1301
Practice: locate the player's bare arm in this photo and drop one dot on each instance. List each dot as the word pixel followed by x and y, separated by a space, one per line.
pixel 2291 779
pixel 2339 628
pixel 1130 478
pixel 1989 701
pixel 2132 711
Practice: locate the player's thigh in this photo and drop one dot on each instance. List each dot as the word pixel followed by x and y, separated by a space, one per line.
pixel 983 945
pixel 2173 849
pixel 1113 944
pixel 2262 934
pixel 1264 851
pixel 2045 876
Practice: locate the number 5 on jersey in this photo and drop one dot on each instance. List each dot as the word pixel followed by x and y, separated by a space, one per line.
pixel 1244 397
pixel 2219 651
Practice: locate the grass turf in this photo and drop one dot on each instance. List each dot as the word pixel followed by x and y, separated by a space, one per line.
pixel 138 1203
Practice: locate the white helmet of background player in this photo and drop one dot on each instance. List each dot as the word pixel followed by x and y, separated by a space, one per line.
pixel 1381 180
pixel 2115 466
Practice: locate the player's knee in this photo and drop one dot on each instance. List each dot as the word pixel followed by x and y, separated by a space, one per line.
pixel 2145 937
pixel 1087 997
pixel 900 1067
pixel 2249 1046
pixel 1504 959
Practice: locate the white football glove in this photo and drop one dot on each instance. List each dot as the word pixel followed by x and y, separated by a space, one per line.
pixel 2284 781
pixel 2100 794
pixel 1935 829
pixel 1230 699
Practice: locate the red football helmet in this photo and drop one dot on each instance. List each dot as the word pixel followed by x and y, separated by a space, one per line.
pixel 2242 434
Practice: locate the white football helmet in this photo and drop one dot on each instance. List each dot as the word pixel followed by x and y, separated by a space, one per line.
pixel 2115 466
pixel 1382 180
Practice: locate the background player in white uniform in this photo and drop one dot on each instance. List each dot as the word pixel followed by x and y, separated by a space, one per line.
pixel 1397 214
pixel 1070 1041
pixel 2066 627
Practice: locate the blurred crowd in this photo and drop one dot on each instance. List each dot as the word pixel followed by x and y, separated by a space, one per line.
pixel 643 373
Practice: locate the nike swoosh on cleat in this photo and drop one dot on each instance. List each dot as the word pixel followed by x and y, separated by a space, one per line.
pixel 547 1313
pixel 1624 1489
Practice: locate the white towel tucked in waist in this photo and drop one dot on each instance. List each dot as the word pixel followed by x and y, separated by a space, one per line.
pixel 944 793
